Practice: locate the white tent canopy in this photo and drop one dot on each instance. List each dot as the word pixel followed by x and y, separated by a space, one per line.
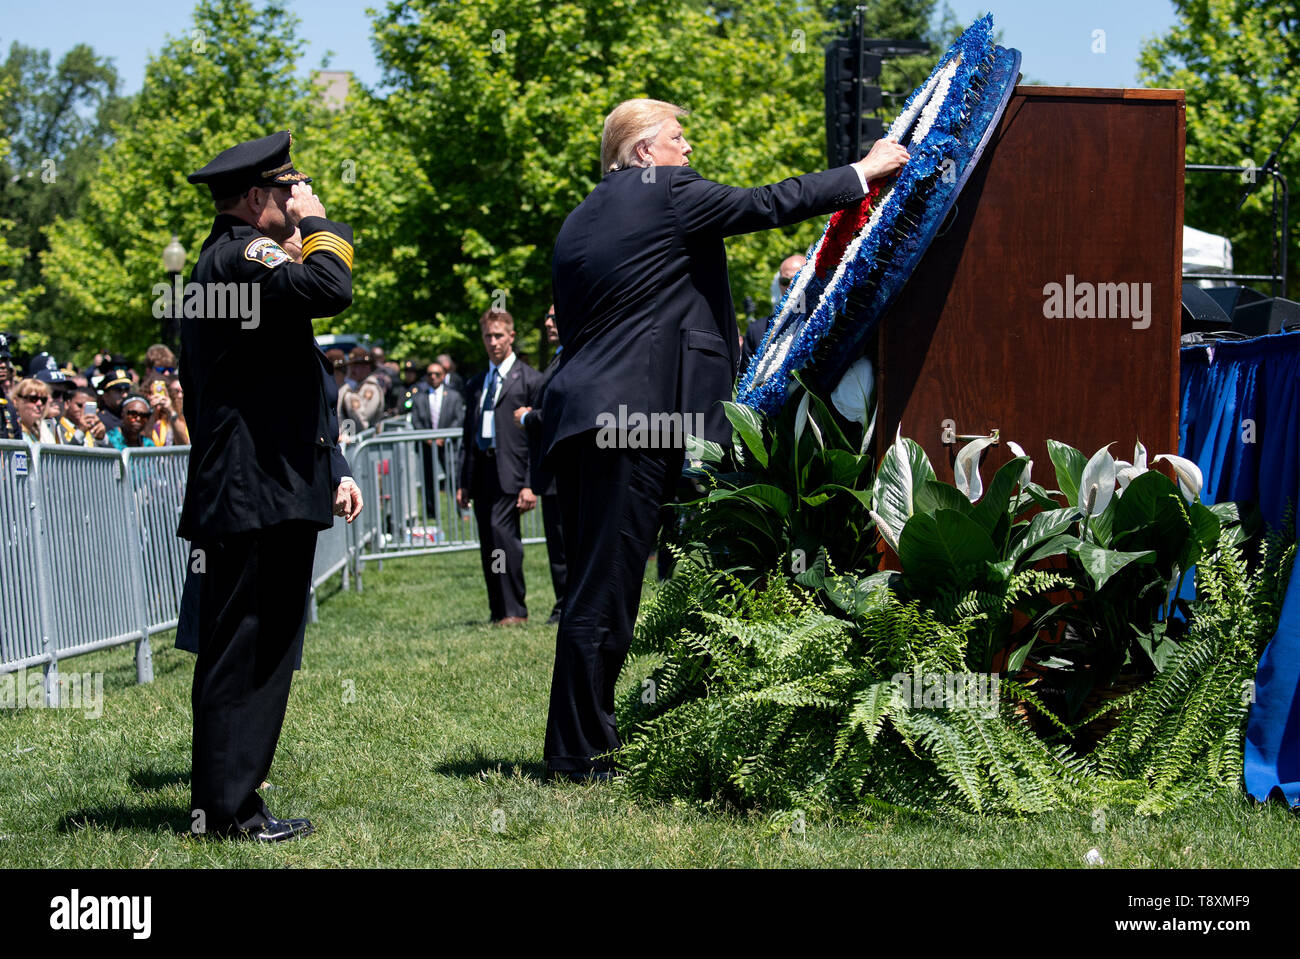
pixel 1205 252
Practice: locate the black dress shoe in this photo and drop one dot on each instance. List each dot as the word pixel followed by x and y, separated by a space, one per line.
pixel 554 620
pixel 279 830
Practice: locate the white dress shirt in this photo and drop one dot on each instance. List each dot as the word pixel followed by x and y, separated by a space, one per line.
pixel 487 424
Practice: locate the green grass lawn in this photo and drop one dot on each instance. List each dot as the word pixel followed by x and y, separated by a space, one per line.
pixel 437 761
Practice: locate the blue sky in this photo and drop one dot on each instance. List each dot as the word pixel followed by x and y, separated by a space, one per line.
pixel 1055 36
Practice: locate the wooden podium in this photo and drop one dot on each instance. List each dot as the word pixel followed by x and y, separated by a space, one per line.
pixel 1082 188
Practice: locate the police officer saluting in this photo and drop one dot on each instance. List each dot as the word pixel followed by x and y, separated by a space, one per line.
pixel 264 478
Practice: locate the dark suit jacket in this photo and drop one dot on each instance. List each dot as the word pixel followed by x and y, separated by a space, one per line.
pixel 534 428
pixel 641 295
pixel 263 452
pixel 753 340
pixel 451 414
pixel 514 471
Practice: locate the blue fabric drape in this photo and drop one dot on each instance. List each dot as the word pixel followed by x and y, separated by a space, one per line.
pixel 1240 423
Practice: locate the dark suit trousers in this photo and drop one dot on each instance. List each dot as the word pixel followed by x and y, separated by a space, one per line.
pixel 551 520
pixel 501 548
pixel 610 500
pixel 252 601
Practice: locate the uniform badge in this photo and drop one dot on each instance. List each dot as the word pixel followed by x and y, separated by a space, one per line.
pixel 267 252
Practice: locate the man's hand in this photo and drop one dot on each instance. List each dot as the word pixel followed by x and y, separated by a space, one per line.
pixel 347 500
pixel 519 415
pixel 462 498
pixel 886 157
pixel 303 203
pixel 293 246
pixel 95 427
pixel 526 500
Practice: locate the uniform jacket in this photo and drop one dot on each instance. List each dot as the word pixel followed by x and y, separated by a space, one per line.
pixel 641 296
pixel 264 445
pixel 514 472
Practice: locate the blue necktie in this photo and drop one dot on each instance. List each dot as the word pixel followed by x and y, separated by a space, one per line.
pixel 489 404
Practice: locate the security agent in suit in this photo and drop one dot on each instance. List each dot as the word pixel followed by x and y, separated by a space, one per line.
pixel 435 406
pixel 648 327
pixel 495 473
pixel 543 482
pixel 264 478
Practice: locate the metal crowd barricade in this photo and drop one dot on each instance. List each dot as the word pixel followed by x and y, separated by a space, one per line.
pixel 23 591
pixel 409 482
pixel 91 559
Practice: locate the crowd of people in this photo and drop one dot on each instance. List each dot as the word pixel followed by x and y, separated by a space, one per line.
pixel 108 404
pixel 113 403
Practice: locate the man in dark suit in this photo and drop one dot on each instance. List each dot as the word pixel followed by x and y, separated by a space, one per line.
pixel 543 482
pixel 436 407
pixel 495 473
pixel 649 333
pixel 264 478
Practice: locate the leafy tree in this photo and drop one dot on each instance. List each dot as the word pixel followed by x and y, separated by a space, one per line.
pixel 1236 59
pixel 57 120
pixel 231 78
pixel 14 299
pixel 502 103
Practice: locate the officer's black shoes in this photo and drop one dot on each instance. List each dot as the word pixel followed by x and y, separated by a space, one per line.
pixel 279 830
pixel 554 620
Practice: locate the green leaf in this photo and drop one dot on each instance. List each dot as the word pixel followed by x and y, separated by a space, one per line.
pixel 944 547
pixel 778 499
pixel 705 450
pixel 1050 547
pixel 1017 658
pixel 935 494
pixel 904 470
pixel 1101 564
pixel 1159 648
pixel 996 501
pixel 748 425
pixel 1069 464
pixel 1151 515
pixel 1043 527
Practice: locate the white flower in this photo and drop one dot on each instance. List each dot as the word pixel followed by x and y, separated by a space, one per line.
pixel 852 395
pixel 1027 471
pixel 1189 475
pixel 966 470
pixel 1099 475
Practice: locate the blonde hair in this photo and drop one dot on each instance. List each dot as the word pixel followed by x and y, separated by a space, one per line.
pixel 31 383
pixel 495 316
pixel 630 124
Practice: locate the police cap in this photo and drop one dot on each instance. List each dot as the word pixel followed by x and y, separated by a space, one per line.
pixel 263 162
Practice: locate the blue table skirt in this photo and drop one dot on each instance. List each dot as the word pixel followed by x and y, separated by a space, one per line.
pixel 1239 421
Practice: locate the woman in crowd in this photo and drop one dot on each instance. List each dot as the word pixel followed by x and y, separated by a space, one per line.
pixel 165 428
pixel 136 414
pixel 177 394
pixel 33 398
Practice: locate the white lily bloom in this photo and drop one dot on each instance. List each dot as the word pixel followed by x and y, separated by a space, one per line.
pixel 1027 471
pixel 852 395
pixel 1099 474
pixel 1189 475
